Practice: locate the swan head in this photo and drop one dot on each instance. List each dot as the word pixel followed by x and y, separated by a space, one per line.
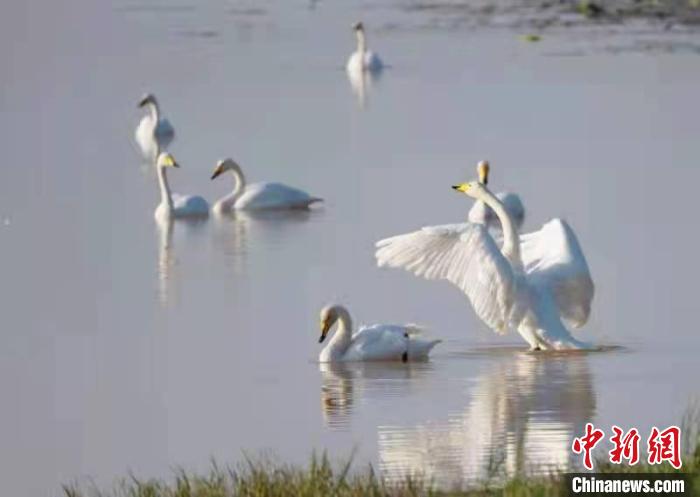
pixel 329 315
pixel 482 168
pixel 166 159
pixel 358 26
pixel 225 165
pixel 474 189
pixel 148 98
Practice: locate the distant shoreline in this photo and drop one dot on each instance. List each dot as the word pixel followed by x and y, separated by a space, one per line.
pixel 542 14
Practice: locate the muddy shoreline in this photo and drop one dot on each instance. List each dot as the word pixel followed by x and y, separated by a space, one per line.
pixel 542 14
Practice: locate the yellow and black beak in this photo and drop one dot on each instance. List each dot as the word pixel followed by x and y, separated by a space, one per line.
pixel 217 172
pixel 145 101
pixel 170 161
pixel 325 326
pixel 462 187
pixel 483 171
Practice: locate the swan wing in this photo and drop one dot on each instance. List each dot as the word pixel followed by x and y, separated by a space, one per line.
pixel 464 254
pixel 553 259
pixel 372 62
pixel 165 132
pixel 273 196
pixel 189 205
pixel 514 207
pixel 378 342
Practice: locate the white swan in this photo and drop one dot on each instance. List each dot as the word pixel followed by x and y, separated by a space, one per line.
pixel 481 213
pixel 529 285
pixel 173 205
pixel 154 133
pixel 362 60
pixel 378 342
pixel 258 196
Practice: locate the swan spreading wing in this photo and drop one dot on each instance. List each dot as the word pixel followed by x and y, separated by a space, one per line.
pixel 464 254
pixel 553 259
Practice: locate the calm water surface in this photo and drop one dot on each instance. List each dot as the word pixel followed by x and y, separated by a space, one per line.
pixel 125 346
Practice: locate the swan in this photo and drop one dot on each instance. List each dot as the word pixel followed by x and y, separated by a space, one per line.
pixel 378 342
pixel 173 205
pixel 531 284
pixel 154 133
pixel 258 196
pixel 363 60
pixel 481 213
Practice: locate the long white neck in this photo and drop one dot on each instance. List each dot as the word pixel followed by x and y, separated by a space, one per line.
pixel 343 335
pixel 511 239
pixel 361 42
pixel 154 112
pixel 238 188
pixel 165 197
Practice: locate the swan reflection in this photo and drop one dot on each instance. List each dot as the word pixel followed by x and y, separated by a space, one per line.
pixel 362 83
pixel 167 260
pixel 344 383
pixel 522 416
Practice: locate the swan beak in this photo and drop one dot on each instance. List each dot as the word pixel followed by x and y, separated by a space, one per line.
pixel 217 172
pixel 461 187
pixel 169 161
pixel 144 102
pixel 483 171
pixel 325 326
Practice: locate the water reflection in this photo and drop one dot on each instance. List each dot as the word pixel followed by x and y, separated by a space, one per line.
pixel 362 83
pixel 521 418
pixel 167 260
pixel 343 383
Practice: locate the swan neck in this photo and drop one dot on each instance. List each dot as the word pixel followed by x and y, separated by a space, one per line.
pixel 361 42
pixel 154 111
pixel 343 335
pixel 511 238
pixel 165 196
pixel 239 183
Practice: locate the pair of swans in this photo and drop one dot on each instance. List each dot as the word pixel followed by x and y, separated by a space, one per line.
pixel 533 283
pixel 258 196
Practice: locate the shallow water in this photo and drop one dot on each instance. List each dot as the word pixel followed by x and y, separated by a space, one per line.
pixel 126 346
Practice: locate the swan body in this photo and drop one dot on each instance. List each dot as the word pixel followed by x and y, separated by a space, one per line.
pixel 483 214
pixel 378 342
pixel 258 196
pixel 532 284
pixel 363 60
pixel 154 132
pixel 173 205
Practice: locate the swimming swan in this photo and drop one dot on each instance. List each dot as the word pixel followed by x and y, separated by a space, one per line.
pixel 154 133
pixel 173 205
pixel 362 60
pixel 531 284
pixel 481 213
pixel 378 342
pixel 258 196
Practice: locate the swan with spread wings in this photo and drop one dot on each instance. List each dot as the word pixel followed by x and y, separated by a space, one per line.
pixel 534 283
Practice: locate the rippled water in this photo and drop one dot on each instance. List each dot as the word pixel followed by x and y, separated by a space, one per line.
pixel 128 346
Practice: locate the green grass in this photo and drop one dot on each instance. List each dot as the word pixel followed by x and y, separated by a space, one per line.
pixel 321 478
